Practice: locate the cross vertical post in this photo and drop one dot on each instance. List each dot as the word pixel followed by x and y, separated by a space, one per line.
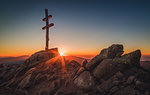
pixel 46 19
pixel 47 29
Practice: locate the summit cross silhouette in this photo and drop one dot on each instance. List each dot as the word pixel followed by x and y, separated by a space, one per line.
pixel 46 19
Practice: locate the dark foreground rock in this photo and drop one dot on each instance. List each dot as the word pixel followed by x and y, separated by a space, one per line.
pixel 48 73
pixel 85 81
pixel 113 51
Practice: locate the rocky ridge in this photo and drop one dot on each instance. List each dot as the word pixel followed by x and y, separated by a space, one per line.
pixel 48 73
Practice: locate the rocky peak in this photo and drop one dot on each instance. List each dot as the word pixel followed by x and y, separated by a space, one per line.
pixel 114 73
pixel 134 57
pixel 43 55
pixel 113 51
pixel 109 73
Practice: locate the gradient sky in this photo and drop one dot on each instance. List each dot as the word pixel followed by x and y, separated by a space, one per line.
pixel 82 27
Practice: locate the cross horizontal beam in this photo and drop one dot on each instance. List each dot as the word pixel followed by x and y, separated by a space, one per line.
pixel 50 16
pixel 50 25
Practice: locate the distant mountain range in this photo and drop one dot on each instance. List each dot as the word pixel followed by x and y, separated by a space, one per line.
pixel 145 60
pixel 13 60
pixel 78 59
pixel 20 59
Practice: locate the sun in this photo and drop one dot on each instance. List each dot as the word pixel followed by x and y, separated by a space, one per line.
pixel 61 54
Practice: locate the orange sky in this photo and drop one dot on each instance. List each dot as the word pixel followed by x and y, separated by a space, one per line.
pixel 19 51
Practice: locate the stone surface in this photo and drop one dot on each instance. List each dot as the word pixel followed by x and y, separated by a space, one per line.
pixel 140 85
pixel 130 79
pixel 85 81
pixel 105 86
pixel 79 71
pixel 42 56
pixel 114 89
pixel 84 63
pixel 113 51
pixel 107 68
pixel 119 75
pixel 73 64
pixel 129 90
pixel 93 62
pixel 134 57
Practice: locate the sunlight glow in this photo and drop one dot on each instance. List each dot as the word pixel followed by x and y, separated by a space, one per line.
pixel 61 54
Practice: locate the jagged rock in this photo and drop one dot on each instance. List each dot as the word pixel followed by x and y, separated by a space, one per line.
pixel 114 89
pixel 73 64
pixel 134 57
pixel 85 81
pixel 69 91
pixel 26 79
pixel 105 86
pixel 44 93
pixel 109 67
pixel 36 59
pixel 84 63
pixel 42 56
pixel 130 79
pixel 140 85
pixel 93 62
pixel 113 51
pixel 79 71
pixel 116 82
pixel 7 75
pixel 146 93
pixel 100 71
pixel 20 92
pixel 129 90
pixel 119 75
pixel 39 64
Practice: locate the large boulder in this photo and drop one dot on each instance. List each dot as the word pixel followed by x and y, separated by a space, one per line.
pixel 104 87
pixel 134 57
pixel 109 67
pixel 93 62
pixel 129 90
pixel 85 81
pixel 113 51
pixel 38 63
pixel 78 72
pixel 42 56
pixel 73 65
pixel 84 63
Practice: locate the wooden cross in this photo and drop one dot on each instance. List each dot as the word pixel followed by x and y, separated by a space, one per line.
pixel 46 19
